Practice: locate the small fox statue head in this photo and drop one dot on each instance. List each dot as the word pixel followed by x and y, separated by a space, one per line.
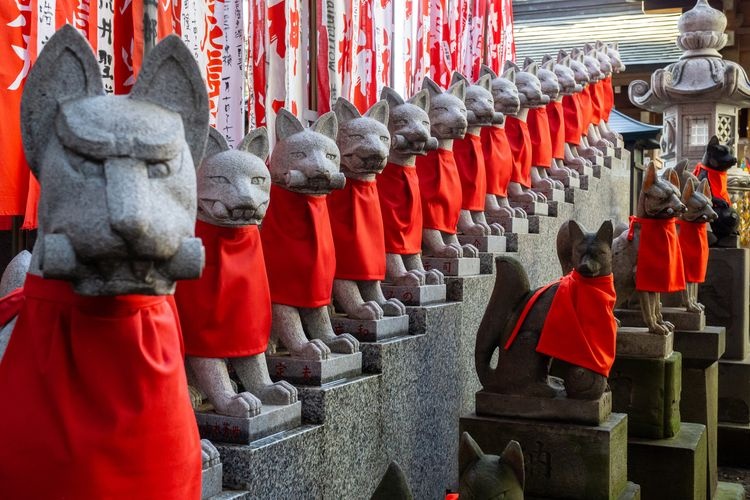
pixel 364 141
pixel 613 53
pixel 580 73
pixel 660 196
pixel 697 198
pixel 504 91
pixel 234 184
pixel 718 156
pixel 547 77
pixel 591 253
pixel 117 173
pixel 565 77
pixel 409 125
pixel 447 109
pixel 306 160
pixel 489 476
pixel 529 86
pixel 480 106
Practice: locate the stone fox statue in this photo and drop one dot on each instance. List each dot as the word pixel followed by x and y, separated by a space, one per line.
pixel 93 376
pixel 484 477
pixel 227 312
pixel 717 159
pixel 578 329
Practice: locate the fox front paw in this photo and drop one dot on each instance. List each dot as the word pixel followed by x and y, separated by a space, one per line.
pixel 279 393
pixel 435 277
pixel 496 229
pixel 411 278
pixel 470 251
pixel 241 405
pixel 314 349
pixel 343 344
pixel 393 307
pixel 367 310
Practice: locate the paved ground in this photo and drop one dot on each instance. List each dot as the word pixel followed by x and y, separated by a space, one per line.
pixel 734 475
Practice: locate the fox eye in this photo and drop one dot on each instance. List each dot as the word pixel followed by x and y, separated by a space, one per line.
pixel 426 123
pixel 463 110
pixel 220 179
pixel 87 167
pixel 401 122
pixel 158 170
pixel 385 138
pixel 356 137
pixel 258 180
pixel 330 156
pixel 297 155
pixel 440 108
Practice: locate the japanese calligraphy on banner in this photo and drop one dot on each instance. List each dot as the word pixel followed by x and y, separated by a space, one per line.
pixel 230 119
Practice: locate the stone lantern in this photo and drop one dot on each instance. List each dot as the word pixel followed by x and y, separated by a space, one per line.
pixel 699 94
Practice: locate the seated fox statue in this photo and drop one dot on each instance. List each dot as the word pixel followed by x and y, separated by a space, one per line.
pixel 297 239
pixel 717 159
pixel 226 314
pixel 93 379
pixel 570 320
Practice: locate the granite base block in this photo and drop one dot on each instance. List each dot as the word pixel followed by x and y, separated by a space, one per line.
pixel 530 207
pixel 487 261
pixel 608 159
pixel 422 319
pixel 415 295
pixel 733 444
pixel 648 390
pixel 631 492
pixel 734 391
pixel 596 168
pixel 491 243
pixel 570 194
pixel 569 182
pixel 372 330
pixel 638 342
pixel 232 495
pixel 707 345
pixel 726 295
pixel 535 222
pixel 585 178
pixel 463 266
pixel 211 481
pixel 562 460
pixel 729 491
pixel 552 194
pixel 680 318
pixel 282 366
pixel 316 401
pixel 516 225
pixel 226 429
pixel 583 171
pixel 670 468
pixel 587 412
pixel 512 239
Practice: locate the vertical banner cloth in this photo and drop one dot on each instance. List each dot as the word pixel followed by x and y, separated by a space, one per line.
pixel 299 253
pixel 500 45
pixel 520 145
pixel 357 225
pixel 498 160
pixel 401 208
pixel 440 186
pixel 226 313
pixel 103 410
pixel 230 120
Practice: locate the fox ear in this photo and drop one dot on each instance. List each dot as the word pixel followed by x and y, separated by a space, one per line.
pixel 431 87
pixel 606 232
pixel 345 110
pixel 513 457
pixel 510 72
pixel 485 81
pixel 705 188
pixel 486 70
pixel 287 124
pixel 532 68
pixel 575 231
pixel 457 77
pixel 393 97
pixel 680 167
pixel 689 190
pixel 458 89
pixel 714 141
pixel 673 178
pixel 549 65
pixel 527 62
pixel 421 99
pixel 468 453
pixel 216 143
pixel 66 69
pixel 561 55
pixel 649 178
pixel 326 125
pixel 256 143
pixel 379 112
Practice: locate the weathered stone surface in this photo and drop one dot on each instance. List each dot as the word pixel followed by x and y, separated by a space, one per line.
pixel 670 468
pixel 726 295
pixel 226 429
pixel 232 495
pixel 492 243
pixel 462 266
pixel 680 318
pixel 372 330
pixel 530 207
pixel 423 318
pixel 535 222
pixel 734 391
pixel 511 224
pixel 729 491
pixel 314 371
pixel 581 411
pixel 552 194
pixel 211 481
pixel 648 390
pixel 415 295
pixel 638 342
pixel 562 460
pixel 707 345
pixel 317 401
pixel 632 492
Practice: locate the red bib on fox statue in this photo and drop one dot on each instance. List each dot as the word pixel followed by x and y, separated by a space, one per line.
pixel 596 102
pixel 572 111
pixel 608 98
pixel 580 326
pixel 226 313
pixel 541 141
pixel 440 187
pixel 716 180
pixel 357 226
pixel 498 160
pixel 471 170
pixel 401 208
pixel 99 399
pixel 298 249
pixel 659 266
pixel 694 246
pixel 587 109
pixel 520 145
pixel 555 114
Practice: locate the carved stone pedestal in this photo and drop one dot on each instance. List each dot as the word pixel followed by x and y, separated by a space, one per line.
pixel 415 295
pixel 582 171
pixel 562 409
pixel 211 479
pixel 648 390
pixel 295 370
pixel 462 266
pixel 226 429
pixel 488 244
pixel 530 207
pixel 563 460
pixel 515 225
pixel 638 342
pixel 552 194
pixel 569 182
pixel 679 317
pixel 670 468
pixel 371 330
